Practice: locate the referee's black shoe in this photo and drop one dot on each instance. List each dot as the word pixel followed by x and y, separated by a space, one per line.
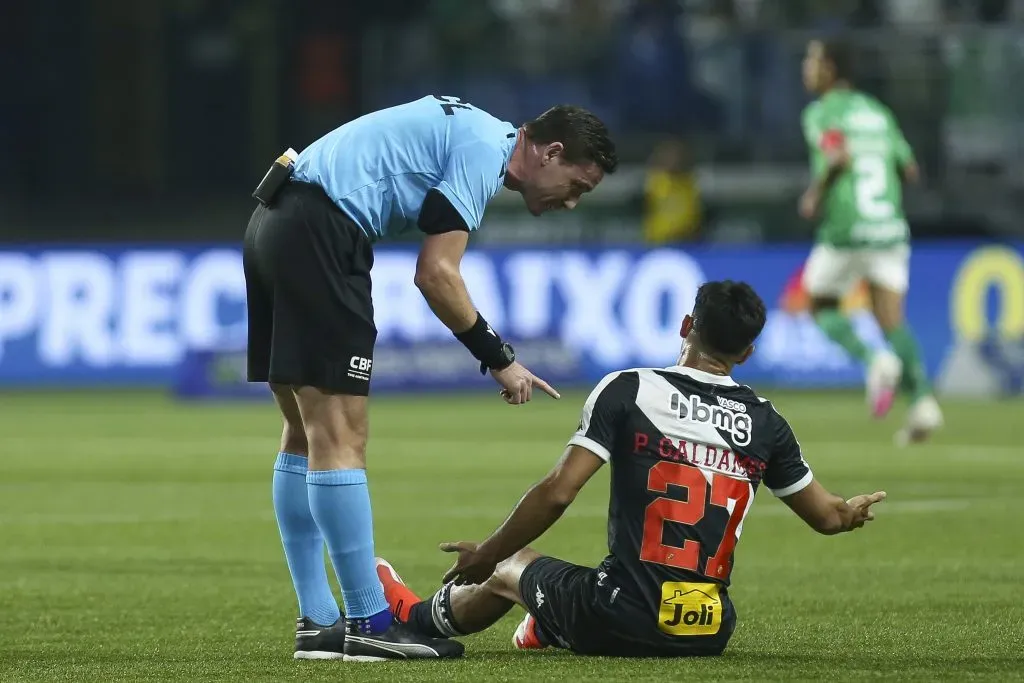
pixel 398 642
pixel 315 641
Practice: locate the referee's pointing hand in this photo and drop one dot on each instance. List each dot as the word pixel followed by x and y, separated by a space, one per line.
pixel 517 384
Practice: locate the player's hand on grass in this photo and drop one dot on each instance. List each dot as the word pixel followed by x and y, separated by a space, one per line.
pixel 862 507
pixel 517 384
pixel 472 566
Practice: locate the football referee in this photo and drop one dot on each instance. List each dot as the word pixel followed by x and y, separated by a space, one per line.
pixel 430 165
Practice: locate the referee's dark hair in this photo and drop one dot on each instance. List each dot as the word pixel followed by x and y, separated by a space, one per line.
pixel 584 136
pixel 728 316
pixel 840 54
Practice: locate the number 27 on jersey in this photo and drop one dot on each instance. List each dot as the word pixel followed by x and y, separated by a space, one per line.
pixel 690 512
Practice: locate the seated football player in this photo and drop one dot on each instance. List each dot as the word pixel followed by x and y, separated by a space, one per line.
pixel 688 448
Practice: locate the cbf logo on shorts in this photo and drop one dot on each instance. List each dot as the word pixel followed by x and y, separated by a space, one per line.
pixel 359 367
pixel 690 609
pixel 730 416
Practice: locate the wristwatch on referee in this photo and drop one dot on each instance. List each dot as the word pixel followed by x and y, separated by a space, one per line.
pixel 508 356
pixel 483 342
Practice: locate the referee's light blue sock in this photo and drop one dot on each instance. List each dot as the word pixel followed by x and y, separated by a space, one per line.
pixel 303 543
pixel 340 502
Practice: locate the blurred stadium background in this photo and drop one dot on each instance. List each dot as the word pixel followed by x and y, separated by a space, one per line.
pixel 134 133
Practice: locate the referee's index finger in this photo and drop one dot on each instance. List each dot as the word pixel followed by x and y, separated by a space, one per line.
pixel 546 388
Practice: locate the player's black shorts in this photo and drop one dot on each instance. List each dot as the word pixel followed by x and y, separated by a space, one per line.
pixel 307 278
pixel 583 610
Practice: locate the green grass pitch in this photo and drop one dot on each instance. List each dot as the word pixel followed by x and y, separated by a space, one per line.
pixel 137 542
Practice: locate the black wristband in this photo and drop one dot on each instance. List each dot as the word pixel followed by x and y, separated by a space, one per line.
pixel 486 346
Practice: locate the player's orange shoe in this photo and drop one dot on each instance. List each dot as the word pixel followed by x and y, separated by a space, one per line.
pixel 526 637
pixel 399 596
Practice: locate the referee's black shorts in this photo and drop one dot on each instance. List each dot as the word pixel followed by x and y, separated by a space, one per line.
pixel 307 278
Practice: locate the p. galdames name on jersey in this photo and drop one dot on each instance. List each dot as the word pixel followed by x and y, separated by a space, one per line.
pixel 701 455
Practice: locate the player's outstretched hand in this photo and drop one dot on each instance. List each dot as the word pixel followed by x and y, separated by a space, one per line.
pixel 862 507
pixel 517 384
pixel 472 566
pixel 809 204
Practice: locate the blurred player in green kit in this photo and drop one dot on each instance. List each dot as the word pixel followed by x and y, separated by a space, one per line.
pixel 859 158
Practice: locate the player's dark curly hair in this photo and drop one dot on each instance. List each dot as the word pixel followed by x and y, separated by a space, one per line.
pixel 584 135
pixel 841 54
pixel 728 316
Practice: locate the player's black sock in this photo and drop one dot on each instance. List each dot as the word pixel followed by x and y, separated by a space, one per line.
pixel 421 619
pixel 433 617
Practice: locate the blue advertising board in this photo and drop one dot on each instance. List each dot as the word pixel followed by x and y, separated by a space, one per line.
pixel 174 315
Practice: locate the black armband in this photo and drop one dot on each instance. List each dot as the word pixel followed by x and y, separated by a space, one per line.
pixel 486 346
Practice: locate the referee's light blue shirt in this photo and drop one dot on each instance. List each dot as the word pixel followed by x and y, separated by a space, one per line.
pixel 379 167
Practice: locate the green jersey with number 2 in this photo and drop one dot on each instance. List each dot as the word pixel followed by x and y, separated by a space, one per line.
pixel 864 206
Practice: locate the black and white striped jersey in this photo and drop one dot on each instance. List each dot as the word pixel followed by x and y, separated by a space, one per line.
pixel 688 450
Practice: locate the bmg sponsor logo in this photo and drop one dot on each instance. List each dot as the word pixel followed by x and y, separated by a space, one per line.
pixel 728 419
